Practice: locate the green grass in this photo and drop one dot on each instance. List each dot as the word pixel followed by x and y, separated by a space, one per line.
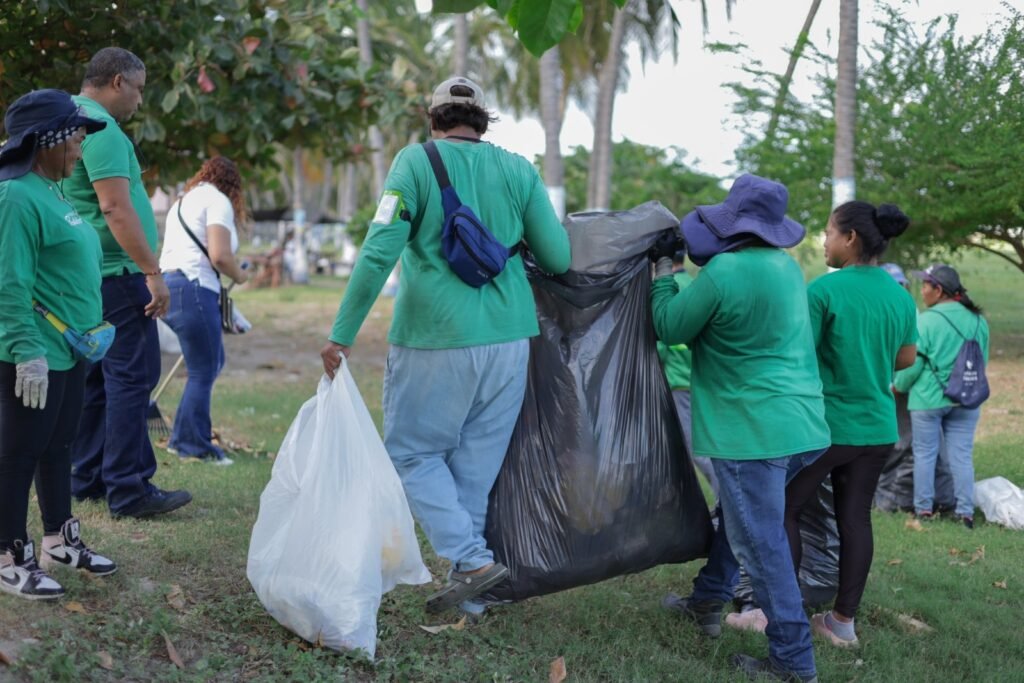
pixel 613 631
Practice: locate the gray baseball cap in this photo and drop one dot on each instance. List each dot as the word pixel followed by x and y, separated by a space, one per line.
pixel 443 93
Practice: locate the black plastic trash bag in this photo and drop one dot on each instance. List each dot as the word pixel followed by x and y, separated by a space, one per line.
pixel 597 481
pixel 896 484
pixel 819 564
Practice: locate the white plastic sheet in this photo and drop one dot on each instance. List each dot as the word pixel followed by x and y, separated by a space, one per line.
pixel 334 531
pixel 1001 501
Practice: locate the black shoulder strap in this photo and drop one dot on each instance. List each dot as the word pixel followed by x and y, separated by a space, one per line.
pixel 195 239
pixel 440 172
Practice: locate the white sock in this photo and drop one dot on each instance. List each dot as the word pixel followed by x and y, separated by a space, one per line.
pixel 6 559
pixel 843 629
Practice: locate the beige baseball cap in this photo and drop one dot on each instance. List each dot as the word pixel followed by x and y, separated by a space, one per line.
pixel 443 93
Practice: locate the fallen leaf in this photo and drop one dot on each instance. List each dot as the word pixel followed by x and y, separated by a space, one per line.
pixel 138 537
pixel 978 554
pixel 176 598
pixel 172 652
pixel 8 655
pixel 914 525
pixel 914 625
pixel 457 626
pixel 955 551
pixel 106 661
pixel 1000 584
pixel 557 673
pixel 75 606
pixel 895 561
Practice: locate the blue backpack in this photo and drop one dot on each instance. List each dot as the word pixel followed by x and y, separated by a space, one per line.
pixel 967 385
pixel 470 248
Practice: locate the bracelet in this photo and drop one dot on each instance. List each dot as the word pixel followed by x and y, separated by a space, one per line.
pixel 154 273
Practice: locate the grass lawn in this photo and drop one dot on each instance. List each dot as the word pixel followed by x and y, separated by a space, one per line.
pixel 182 594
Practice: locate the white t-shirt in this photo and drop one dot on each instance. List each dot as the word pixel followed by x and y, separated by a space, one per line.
pixel 203 205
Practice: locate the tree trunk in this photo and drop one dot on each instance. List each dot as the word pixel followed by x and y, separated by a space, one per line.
pixel 376 139
pixel 348 193
pixel 300 265
pixel 844 187
pixel 787 78
pixel 551 118
pixel 600 180
pixel 460 54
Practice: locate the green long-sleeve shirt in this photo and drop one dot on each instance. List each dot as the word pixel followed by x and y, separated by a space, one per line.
pixel 677 359
pixel 51 255
pixel 755 384
pixel 939 342
pixel 434 308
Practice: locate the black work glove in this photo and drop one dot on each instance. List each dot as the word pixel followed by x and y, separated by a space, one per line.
pixel 667 246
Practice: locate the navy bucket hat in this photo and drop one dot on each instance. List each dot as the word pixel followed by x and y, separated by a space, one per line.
pixel 31 117
pixel 755 207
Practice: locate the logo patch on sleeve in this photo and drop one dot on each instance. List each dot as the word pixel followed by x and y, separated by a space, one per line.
pixel 387 207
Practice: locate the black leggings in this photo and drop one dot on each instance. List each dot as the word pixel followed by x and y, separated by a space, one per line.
pixel 855 471
pixel 37 442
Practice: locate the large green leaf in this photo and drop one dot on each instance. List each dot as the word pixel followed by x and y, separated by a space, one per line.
pixel 543 23
pixel 454 6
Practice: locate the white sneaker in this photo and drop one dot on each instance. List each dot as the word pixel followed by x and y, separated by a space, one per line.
pixel 73 553
pixel 20 575
pixel 751 620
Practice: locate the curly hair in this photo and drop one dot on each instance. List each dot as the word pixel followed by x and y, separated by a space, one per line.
pixel 223 174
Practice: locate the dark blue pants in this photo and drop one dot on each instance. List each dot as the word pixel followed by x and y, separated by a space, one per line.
pixel 194 316
pixel 112 455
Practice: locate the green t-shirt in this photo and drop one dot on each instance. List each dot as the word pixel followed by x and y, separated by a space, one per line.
pixel 434 308
pixel 860 317
pixel 940 343
pixel 51 255
pixel 676 359
pixel 755 386
pixel 109 153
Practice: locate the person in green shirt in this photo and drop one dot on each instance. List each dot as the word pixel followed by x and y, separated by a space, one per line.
pixel 864 327
pixel 456 371
pixel 950 319
pixel 758 410
pixel 676 361
pixel 112 454
pixel 51 257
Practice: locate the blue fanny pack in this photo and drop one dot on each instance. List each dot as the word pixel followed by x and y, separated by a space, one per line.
pixel 470 248
pixel 91 345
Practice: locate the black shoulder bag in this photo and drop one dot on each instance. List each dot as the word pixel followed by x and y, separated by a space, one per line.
pixel 227 306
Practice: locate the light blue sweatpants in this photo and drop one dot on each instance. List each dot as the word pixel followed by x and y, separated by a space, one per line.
pixel 448 419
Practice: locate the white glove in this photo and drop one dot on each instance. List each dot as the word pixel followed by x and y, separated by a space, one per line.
pixel 30 381
pixel 663 267
pixel 238 320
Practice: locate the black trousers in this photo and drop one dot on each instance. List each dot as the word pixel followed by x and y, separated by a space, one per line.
pixel 36 443
pixel 855 471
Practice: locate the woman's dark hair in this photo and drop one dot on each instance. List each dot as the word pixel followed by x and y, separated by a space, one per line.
pixel 223 174
pixel 967 303
pixel 447 116
pixel 874 226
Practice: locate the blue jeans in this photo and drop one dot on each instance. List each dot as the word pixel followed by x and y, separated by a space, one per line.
pixel 752 497
pixel 955 425
pixel 448 420
pixel 112 455
pixel 194 316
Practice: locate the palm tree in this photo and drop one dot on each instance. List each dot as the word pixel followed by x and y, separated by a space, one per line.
pixel 376 139
pixel 460 51
pixel 552 115
pixel 844 186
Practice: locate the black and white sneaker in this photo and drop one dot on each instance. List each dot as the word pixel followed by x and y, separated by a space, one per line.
pixel 73 553
pixel 23 577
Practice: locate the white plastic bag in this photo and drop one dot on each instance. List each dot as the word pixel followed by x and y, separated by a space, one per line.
pixel 1001 501
pixel 334 531
pixel 168 339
